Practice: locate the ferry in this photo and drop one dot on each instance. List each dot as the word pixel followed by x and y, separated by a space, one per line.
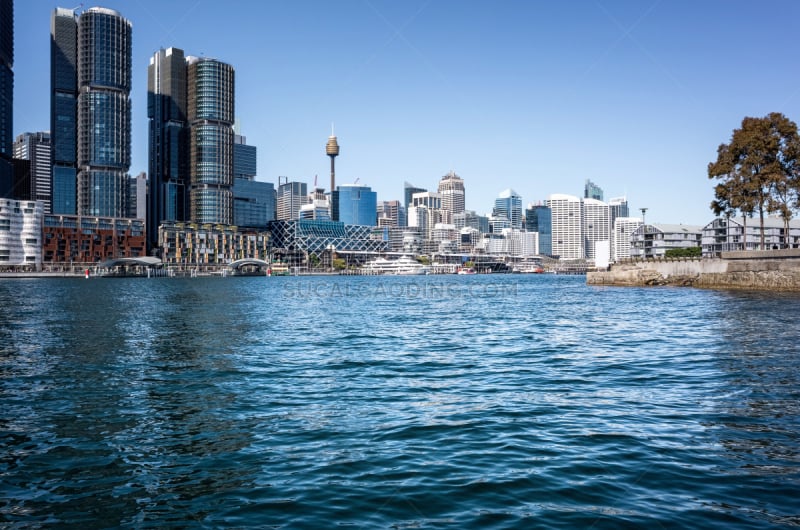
pixel 278 269
pixel 403 266
pixel 467 270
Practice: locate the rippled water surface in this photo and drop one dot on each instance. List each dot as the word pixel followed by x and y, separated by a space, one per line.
pixel 396 402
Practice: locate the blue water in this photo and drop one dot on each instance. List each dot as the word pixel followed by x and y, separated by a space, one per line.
pixel 497 401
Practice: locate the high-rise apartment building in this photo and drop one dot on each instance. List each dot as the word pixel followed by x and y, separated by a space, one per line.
pixel 64 110
pixel 596 228
pixel 566 213
pixel 618 207
pixel 167 141
pixel 451 188
pixel 210 94
pixel 509 204
pixel 104 112
pixel 592 191
pixel 6 97
pixel 624 227
pixel 35 147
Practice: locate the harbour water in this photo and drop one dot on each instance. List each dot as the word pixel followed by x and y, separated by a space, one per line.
pixel 496 401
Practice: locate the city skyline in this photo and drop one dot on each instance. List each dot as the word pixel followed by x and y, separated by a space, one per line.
pixel 630 96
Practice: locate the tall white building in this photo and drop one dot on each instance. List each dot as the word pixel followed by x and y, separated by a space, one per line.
pixel 624 227
pixel 35 147
pixel 618 207
pixel 596 226
pixel 451 189
pixel 567 226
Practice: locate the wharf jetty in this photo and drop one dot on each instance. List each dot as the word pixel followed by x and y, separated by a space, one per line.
pixel 767 270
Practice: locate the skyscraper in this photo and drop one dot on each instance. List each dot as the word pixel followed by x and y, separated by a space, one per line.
pixel 592 191
pixel 35 147
pixel 291 196
pixel 451 188
pixel 596 228
pixel 104 112
pixel 210 114
pixel 6 96
pixel 167 141
pixel 358 205
pixel 64 109
pixel 566 213
pixel 408 192
pixel 253 201
pixel 509 204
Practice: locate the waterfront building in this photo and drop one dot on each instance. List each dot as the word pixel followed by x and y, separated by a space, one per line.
pixel 210 114
pixel 74 239
pixel 35 147
pixel 509 204
pixel 104 112
pixel 137 196
pixel 168 146
pixel 592 191
pixel 451 190
pixel 408 193
pixel 653 240
pixel 538 219
pixel 566 212
pixel 291 196
pixel 190 244
pixel 596 227
pixel 469 238
pixel 21 233
pixel 624 227
pixel 295 240
pixel 357 205
pixel 64 110
pixel 6 97
pixel 728 234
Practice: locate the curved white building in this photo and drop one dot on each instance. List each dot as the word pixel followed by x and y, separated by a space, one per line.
pixel 21 233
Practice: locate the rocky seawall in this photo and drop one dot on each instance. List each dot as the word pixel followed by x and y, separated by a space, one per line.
pixel 772 270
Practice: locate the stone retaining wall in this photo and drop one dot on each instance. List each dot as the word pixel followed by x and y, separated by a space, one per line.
pixel 741 270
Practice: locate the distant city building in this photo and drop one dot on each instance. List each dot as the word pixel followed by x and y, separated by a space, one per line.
pixel 291 196
pixel 6 96
pixel 210 112
pixel 596 228
pixel 538 218
pixel 168 141
pixel 498 223
pixel 35 147
pixel 318 206
pixel 408 193
pixel 728 234
pixel 137 196
pixel 64 110
pixel 618 207
pixel 104 112
pixel 357 205
pixel 253 201
pixel 470 219
pixel 652 241
pixel 592 191
pixel 20 233
pixel 425 212
pixel 391 213
pixel 509 204
pixel 624 227
pixel 451 189
pixel 566 212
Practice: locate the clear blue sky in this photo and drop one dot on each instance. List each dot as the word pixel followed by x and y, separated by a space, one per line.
pixel 533 95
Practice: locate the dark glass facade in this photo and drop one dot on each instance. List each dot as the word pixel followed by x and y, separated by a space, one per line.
pixel 210 115
pixel 254 203
pixel 64 109
pixel 6 97
pixel 168 141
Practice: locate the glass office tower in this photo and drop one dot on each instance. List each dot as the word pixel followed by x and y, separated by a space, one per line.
pixel 6 96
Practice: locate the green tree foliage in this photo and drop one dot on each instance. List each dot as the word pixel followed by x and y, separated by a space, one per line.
pixel 758 170
pixel 688 252
pixel 339 264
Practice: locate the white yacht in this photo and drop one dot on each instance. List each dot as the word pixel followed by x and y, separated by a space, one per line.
pixel 405 265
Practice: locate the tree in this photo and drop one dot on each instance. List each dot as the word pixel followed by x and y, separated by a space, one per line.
pixel 758 165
